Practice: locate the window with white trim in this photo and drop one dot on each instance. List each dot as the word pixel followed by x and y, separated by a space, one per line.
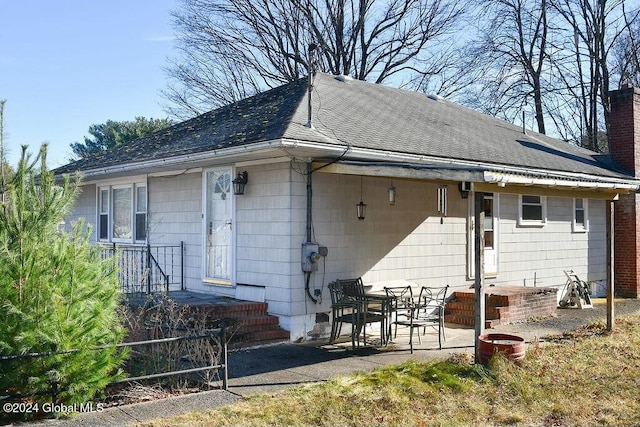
pixel 141 213
pixel 122 213
pixel 532 210
pixel 580 215
pixel 103 214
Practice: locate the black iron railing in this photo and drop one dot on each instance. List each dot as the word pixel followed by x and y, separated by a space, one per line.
pixel 148 269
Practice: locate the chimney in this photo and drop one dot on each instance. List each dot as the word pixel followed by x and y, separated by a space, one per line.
pixel 624 145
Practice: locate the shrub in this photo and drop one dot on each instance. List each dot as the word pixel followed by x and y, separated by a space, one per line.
pixel 161 317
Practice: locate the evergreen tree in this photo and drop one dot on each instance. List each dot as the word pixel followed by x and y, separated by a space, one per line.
pixel 56 292
pixel 111 134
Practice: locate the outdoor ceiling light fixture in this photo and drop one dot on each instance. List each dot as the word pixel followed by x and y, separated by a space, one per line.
pixel 240 182
pixel 392 194
pixel 361 207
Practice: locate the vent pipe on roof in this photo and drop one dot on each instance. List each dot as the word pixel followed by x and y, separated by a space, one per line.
pixel 311 71
pixel 524 129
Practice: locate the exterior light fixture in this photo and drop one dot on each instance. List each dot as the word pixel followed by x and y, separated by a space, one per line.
pixel 361 207
pixel 240 182
pixel 465 188
pixel 392 195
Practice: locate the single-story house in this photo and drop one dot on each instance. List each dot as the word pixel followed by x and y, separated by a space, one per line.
pixel 346 178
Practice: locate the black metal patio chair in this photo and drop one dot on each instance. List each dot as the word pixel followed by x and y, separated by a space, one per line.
pixel 427 311
pixel 343 310
pixel 400 305
pixel 350 304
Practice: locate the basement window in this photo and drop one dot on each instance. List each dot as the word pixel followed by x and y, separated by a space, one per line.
pixel 532 210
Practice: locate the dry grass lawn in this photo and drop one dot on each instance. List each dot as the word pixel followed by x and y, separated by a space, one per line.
pixel 585 377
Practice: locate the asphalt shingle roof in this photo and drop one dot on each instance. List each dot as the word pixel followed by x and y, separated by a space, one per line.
pixel 262 117
pixel 385 118
pixel 364 115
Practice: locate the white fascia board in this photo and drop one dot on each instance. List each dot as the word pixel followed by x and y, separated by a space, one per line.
pixel 225 153
pixel 499 174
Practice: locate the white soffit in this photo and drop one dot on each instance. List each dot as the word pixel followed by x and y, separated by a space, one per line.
pixel 567 181
pixel 479 174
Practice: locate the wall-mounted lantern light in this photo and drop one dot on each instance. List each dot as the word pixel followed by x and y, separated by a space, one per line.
pixel 361 207
pixel 240 182
pixel 392 195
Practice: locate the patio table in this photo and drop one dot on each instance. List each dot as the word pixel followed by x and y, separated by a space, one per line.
pixel 385 303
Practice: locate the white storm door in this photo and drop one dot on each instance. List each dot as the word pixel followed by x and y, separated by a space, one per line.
pixel 490 236
pixel 217 226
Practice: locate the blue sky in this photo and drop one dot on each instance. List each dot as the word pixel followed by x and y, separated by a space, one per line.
pixel 68 64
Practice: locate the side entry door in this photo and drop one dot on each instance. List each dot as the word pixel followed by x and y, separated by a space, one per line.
pixel 218 233
pixel 491 207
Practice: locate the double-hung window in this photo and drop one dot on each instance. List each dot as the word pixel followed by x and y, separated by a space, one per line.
pixel 103 215
pixel 141 213
pixel 533 210
pixel 122 213
pixel 580 215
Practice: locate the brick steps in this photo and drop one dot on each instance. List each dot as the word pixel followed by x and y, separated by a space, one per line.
pixel 248 322
pixel 503 305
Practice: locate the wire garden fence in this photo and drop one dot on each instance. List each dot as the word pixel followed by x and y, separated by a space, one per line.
pixel 169 345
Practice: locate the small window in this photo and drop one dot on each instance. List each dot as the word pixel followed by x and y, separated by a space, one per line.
pixel 488 221
pixel 533 210
pixel 580 215
pixel 103 224
pixel 141 213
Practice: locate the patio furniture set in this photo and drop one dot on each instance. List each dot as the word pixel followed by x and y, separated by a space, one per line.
pixel 406 306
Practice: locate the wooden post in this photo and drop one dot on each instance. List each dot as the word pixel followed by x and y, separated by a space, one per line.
pixel 610 265
pixel 478 234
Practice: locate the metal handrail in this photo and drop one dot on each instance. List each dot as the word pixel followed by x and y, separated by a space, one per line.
pixel 162 273
pixel 156 266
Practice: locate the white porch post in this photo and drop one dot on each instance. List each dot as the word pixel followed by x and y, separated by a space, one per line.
pixel 610 265
pixel 479 270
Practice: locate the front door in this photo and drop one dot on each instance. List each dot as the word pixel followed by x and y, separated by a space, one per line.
pixel 490 236
pixel 217 216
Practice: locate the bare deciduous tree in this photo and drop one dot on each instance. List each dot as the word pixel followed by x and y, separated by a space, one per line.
pixel 233 48
pixel 552 56
pixel 512 50
pixel 593 28
pixel 626 55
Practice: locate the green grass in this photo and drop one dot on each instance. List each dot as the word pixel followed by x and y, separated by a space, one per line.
pixel 584 377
